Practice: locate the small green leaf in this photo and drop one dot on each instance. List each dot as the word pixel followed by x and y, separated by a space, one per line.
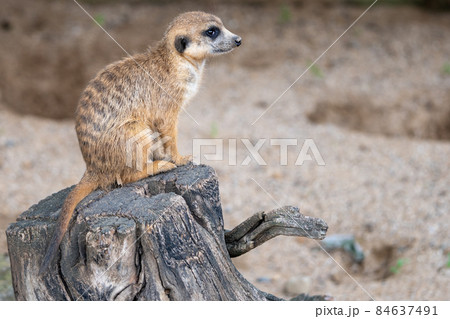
pixel 446 68
pixel 214 132
pixel 285 14
pixel 315 70
pixel 399 265
pixel 100 19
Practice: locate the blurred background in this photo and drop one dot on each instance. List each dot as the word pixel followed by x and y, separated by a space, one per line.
pixel 377 105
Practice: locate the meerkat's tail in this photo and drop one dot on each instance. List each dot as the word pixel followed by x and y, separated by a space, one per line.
pixel 87 184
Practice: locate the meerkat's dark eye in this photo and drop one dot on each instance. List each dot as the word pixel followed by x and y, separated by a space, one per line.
pixel 212 32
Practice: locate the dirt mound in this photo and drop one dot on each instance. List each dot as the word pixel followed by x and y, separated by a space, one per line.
pixel 428 120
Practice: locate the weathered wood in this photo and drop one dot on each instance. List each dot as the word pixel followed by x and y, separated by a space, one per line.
pixel 161 238
pixel 263 226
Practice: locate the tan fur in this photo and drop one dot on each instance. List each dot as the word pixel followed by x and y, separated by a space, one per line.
pixel 135 94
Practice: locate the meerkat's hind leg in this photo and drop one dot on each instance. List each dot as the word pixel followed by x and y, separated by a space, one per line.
pixel 151 168
pixel 170 135
pixel 159 166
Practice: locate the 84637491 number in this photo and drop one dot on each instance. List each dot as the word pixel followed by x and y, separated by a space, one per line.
pixel 406 310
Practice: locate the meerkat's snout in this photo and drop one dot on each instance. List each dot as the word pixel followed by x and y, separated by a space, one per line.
pixel 237 40
pixel 225 42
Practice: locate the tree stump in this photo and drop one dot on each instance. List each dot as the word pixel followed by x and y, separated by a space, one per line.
pixel 161 238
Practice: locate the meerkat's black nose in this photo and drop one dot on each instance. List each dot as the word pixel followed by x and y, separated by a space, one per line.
pixel 237 41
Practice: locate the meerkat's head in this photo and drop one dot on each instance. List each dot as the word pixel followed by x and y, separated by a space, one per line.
pixel 198 35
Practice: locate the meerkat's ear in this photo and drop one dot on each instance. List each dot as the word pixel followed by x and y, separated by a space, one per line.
pixel 181 42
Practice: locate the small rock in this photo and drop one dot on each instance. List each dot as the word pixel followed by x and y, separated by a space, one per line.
pixel 297 285
pixel 345 242
pixel 263 279
pixel 10 143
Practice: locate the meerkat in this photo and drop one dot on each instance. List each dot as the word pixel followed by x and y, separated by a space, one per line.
pixel 140 96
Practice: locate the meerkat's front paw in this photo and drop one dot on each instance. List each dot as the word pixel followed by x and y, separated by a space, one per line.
pixel 182 160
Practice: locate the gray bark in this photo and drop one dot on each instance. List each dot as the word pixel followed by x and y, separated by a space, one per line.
pixel 161 238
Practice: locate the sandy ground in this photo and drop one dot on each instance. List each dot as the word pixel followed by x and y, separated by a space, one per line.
pixel 377 106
